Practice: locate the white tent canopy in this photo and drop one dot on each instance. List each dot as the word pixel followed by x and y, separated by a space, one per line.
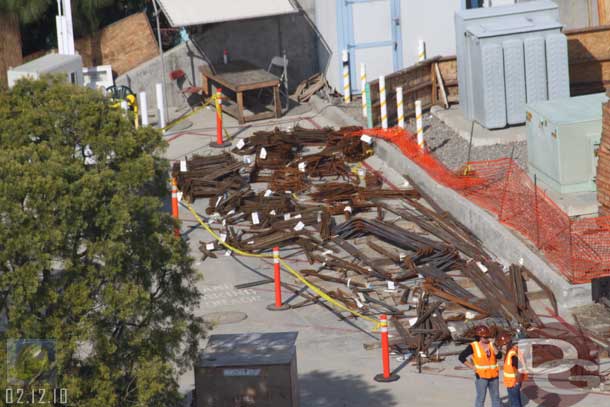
pixel 182 13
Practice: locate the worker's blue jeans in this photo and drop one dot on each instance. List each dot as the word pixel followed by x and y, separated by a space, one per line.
pixel 514 396
pixel 482 385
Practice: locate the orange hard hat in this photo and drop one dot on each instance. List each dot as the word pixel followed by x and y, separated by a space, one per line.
pixel 482 331
pixel 503 339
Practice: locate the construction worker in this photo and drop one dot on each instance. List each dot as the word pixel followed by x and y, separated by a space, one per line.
pixel 513 377
pixel 485 366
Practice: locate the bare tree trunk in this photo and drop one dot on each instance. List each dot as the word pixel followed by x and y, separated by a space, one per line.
pixel 10 45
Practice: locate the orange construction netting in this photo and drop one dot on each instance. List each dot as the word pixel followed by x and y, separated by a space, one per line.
pixel 579 249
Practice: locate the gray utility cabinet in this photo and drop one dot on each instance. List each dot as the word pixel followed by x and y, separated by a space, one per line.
pixel 69 65
pixel 254 369
pixel 563 136
pixel 508 56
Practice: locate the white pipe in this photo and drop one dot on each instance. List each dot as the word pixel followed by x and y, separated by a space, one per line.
pixel 363 88
pixel 160 104
pixel 143 106
pixel 382 102
pixel 67 7
pixel 347 92
pixel 420 124
pixel 400 110
pixel 59 24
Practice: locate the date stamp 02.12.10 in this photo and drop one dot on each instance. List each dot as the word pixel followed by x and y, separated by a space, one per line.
pixel 32 374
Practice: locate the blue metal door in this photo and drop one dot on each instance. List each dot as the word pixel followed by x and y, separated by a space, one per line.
pixel 370 31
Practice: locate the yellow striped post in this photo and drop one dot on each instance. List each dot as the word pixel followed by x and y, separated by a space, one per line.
pixel 420 124
pixel 421 51
pixel 363 88
pixel 400 110
pixel 347 93
pixel 382 102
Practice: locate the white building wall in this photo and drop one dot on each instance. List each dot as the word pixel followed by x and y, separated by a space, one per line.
pixel 328 54
pixel 431 21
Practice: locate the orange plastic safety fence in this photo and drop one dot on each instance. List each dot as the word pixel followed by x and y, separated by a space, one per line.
pixel 579 249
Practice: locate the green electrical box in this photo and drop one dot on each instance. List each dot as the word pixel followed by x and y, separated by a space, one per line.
pixel 563 136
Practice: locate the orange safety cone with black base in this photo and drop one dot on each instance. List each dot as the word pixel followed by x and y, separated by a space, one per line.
pixel 386 376
pixel 278 306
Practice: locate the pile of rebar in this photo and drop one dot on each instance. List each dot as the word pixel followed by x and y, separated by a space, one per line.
pixel 374 248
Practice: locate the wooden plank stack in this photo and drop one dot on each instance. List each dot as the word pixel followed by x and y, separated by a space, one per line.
pixel 603 164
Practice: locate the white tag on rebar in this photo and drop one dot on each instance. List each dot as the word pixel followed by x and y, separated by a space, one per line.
pixel 302 167
pixel 319 217
pixel 358 303
pixel 391 285
pixel 412 321
pixel 361 296
pixel 298 216
pixel 288 192
pixel 240 144
pixel 299 226
pixel 402 257
pixel 247 159
pixel 361 173
pixel 268 193
pixel 218 201
pixel 521 261
pixel 228 253
pixel 263 153
pixel 366 139
pixel 406 184
pixel 273 212
pixel 286 216
pixel 250 241
pixel 231 212
pixel 179 196
pixel 327 252
pixel 347 209
pixel 223 237
pixel 210 246
pixel 255 219
pixel 482 267
pixel 224 222
pixel 182 165
pixel 349 280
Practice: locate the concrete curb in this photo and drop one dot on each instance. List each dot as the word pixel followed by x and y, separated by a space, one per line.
pixel 332 113
pixel 498 239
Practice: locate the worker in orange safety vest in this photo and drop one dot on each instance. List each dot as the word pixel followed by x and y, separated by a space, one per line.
pixel 484 363
pixel 513 369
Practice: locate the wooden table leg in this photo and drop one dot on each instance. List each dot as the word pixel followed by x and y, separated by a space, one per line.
pixel 277 102
pixel 240 107
pixel 205 85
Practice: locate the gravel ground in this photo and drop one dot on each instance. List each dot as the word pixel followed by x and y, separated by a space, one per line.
pixel 448 146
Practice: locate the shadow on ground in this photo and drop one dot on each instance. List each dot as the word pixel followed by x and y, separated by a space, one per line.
pixel 326 389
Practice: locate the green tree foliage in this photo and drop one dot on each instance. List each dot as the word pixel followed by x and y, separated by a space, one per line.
pixel 88 257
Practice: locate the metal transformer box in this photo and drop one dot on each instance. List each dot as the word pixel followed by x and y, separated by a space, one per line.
pixel 508 56
pixel 562 140
pixel 255 369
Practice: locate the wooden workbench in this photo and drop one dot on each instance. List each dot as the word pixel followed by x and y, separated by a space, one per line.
pixel 242 76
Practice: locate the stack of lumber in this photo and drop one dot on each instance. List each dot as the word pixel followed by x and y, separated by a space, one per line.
pixel 603 165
